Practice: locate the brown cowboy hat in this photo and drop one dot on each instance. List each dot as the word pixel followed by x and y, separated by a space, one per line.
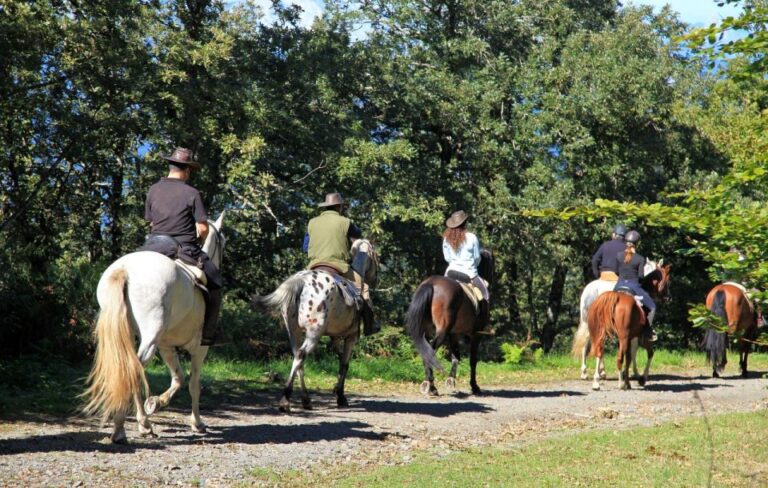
pixel 456 219
pixel 182 156
pixel 332 199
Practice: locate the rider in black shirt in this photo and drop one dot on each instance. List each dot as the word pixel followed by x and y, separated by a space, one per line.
pixel 604 260
pixel 176 209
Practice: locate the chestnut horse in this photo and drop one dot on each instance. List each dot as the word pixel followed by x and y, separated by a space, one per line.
pixel 730 303
pixel 440 309
pixel 616 313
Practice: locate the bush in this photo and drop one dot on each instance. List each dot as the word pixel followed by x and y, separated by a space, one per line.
pixel 521 354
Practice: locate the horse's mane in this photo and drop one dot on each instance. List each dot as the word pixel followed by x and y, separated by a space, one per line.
pixel 487 266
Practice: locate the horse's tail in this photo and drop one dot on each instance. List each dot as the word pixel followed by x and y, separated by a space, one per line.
pixel 580 339
pixel 602 316
pixel 418 313
pixel 714 341
pixel 285 297
pixel 117 374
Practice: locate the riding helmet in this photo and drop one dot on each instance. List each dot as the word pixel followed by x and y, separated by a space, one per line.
pixel 632 236
pixel 620 230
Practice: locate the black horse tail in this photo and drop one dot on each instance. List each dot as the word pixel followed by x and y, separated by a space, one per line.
pixel 714 341
pixel 419 312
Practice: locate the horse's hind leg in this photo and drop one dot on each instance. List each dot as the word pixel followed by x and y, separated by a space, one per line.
pixel 622 364
pixel 428 386
pixel 153 403
pixel 344 355
pixel 453 346
pixel 296 368
pixel 473 347
pixel 145 426
pixel 634 344
pixel 197 356
pixel 644 379
pixel 596 376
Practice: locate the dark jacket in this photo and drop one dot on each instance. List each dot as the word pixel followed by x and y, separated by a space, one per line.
pixel 605 257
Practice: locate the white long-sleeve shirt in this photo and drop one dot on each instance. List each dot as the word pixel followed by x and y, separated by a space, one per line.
pixel 466 258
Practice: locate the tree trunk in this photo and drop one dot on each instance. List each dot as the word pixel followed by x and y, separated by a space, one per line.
pixel 554 302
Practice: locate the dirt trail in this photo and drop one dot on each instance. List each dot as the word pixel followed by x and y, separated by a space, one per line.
pixel 251 433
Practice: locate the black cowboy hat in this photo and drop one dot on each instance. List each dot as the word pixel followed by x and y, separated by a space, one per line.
pixel 331 200
pixel 456 219
pixel 182 156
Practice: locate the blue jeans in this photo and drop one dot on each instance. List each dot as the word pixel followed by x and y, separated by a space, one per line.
pixel 637 290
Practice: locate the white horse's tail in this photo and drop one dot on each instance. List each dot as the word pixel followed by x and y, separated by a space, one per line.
pixel 286 297
pixel 580 339
pixel 117 374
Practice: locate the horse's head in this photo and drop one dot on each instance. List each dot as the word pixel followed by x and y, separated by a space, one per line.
pixel 365 261
pixel 656 278
pixel 215 241
pixel 487 267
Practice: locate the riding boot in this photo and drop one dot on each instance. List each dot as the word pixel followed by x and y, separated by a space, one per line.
pixel 484 318
pixel 212 307
pixel 649 332
pixel 370 326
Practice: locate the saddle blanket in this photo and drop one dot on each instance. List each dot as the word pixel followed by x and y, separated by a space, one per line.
pixel 474 294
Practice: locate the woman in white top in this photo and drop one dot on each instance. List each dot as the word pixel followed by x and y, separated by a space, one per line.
pixel 461 250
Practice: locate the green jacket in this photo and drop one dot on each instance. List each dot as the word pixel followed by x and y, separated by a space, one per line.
pixel 328 241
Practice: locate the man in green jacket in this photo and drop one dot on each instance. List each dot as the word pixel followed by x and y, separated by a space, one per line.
pixel 330 236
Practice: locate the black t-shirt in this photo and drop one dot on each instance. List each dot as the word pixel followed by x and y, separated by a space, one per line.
pixel 633 270
pixel 173 208
pixel 605 257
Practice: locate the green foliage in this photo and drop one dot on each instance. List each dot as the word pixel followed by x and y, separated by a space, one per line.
pixel 517 355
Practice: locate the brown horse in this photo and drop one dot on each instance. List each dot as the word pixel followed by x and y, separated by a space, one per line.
pixel 440 309
pixel 618 314
pixel 730 303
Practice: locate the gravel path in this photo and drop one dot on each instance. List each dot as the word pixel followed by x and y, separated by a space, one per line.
pixel 250 433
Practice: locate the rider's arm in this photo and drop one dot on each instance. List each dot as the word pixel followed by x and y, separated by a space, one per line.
pixel 354 232
pixel 596 258
pixel 476 251
pixel 202 231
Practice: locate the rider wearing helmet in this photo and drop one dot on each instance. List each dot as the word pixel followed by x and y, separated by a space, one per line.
pixel 631 266
pixel 604 264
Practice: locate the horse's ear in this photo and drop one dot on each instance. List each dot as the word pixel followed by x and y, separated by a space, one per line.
pixel 220 220
pixel 661 263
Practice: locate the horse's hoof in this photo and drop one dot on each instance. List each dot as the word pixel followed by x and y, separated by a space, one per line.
pixel 603 375
pixel 641 381
pixel 150 405
pixel 450 383
pixel 200 428
pixel 118 437
pixel 424 388
pixel 584 376
pixel 477 391
pixel 342 402
pixel 284 406
pixel 306 404
pixel 596 386
pixel 149 435
pixel 625 386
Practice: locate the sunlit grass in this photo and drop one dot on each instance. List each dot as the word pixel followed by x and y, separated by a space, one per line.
pixel 724 450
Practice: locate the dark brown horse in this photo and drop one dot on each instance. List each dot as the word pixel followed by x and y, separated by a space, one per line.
pixel 441 310
pixel 730 303
pixel 617 314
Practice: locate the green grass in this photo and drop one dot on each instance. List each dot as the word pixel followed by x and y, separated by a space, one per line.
pixel 726 450
pixel 36 385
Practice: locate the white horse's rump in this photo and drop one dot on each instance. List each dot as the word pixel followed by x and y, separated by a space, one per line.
pixel 312 304
pixel 581 339
pixel 146 293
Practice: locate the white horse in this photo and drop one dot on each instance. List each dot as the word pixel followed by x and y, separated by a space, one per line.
pixel 313 304
pixel 147 294
pixel 593 290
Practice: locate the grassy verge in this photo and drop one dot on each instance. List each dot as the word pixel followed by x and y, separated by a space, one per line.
pixel 725 450
pixel 36 385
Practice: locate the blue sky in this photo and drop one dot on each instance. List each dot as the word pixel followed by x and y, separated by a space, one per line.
pixel 697 13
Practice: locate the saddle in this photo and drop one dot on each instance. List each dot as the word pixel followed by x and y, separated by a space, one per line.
pixel 348 290
pixel 474 294
pixel 170 247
